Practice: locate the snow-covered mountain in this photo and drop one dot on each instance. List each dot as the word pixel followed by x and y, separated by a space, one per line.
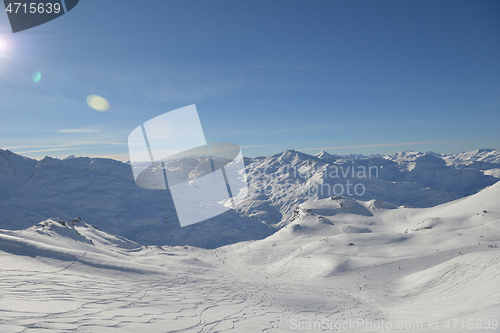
pixel 79 234
pixel 280 182
pixel 103 191
pixel 323 155
pixel 340 262
pixel 479 155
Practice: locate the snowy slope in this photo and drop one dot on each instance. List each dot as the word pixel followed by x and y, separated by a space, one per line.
pixel 340 261
pixel 80 235
pixel 404 264
pixel 375 228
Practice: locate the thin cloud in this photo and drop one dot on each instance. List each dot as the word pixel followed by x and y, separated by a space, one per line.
pixel 58 144
pixel 62 149
pixel 383 145
pixel 79 130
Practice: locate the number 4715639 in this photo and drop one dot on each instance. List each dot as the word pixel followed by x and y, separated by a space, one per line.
pixel 33 8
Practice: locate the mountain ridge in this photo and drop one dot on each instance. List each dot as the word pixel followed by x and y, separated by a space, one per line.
pixel 103 192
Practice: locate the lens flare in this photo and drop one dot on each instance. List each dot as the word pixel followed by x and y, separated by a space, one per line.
pixel 98 103
pixel 37 77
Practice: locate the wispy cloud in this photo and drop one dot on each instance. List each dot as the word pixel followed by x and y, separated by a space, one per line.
pixel 79 130
pixel 62 149
pixel 382 145
pixel 54 144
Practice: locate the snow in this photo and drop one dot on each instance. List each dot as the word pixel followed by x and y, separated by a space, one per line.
pixel 493 172
pixel 481 155
pixel 332 263
pixel 323 155
pixel 103 192
pixel 280 182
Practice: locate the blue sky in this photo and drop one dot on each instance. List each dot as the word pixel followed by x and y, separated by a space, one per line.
pixel 341 76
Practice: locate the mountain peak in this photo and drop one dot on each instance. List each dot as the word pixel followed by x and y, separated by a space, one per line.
pixel 323 155
pixel 290 154
pixel 11 163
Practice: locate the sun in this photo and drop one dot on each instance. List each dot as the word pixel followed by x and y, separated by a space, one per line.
pixel 4 45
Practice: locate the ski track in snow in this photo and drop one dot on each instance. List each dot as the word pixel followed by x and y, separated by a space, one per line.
pixel 47 298
pixel 56 296
pixel 335 260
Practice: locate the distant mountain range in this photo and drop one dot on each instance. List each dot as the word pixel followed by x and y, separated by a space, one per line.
pixel 103 192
